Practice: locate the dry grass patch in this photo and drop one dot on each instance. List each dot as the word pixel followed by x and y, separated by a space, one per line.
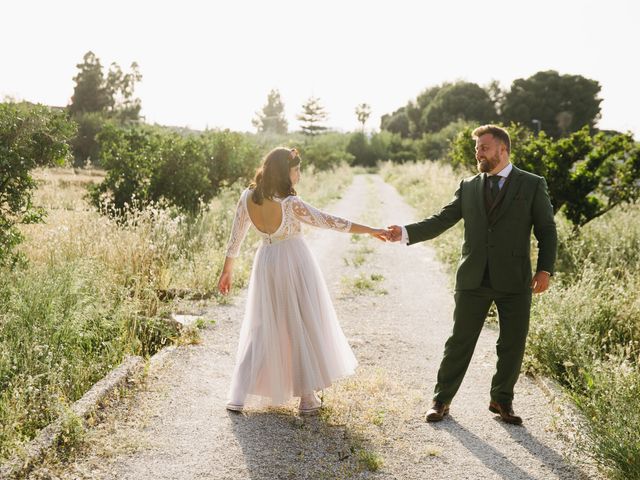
pixel 373 409
pixel 64 188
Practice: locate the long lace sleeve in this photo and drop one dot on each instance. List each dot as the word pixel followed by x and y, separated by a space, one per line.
pixel 241 224
pixel 312 216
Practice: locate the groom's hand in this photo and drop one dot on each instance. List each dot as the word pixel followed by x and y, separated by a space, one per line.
pixel 540 282
pixel 394 233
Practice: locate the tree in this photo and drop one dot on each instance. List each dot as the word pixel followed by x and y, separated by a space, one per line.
pixel 97 99
pixel 120 87
pixel 561 103
pixel 30 136
pixel 84 145
pixel 90 93
pixel 361 150
pixel 112 95
pixel 363 112
pixel 437 145
pixel 397 122
pixel 588 175
pixel 459 101
pixel 416 109
pixel 271 118
pixel 438 106
pixel 313 113
pixel 496 94
pixel 147 164
pixel 328 151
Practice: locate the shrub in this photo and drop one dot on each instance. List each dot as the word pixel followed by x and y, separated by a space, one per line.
pixel 398 149
pixel 229 156
pixel 30 136
pixel 181 176
pixel 436 146
pixel 326 151
pixel 385 146
pixel 150 165
pixel 361 149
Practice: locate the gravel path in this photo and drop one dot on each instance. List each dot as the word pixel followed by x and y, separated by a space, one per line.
pixel 175 426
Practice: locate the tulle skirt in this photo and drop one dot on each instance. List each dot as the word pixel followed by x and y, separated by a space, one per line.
pixel 291 343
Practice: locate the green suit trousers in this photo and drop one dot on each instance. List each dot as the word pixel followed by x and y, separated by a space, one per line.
pixel 469 316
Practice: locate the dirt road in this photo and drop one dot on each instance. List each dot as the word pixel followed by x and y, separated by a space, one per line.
pixel 395 305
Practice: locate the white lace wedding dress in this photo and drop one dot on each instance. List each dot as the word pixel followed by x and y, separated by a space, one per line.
pixel 291 343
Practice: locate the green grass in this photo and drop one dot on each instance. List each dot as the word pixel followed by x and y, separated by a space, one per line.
pixel 610 402
pixel 370 460
pixel 71 436
pixel 377 416
pixel 585 331
pixel 362 284
pixel 360 255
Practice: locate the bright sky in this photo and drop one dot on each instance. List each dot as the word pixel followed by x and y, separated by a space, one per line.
pixel 209 63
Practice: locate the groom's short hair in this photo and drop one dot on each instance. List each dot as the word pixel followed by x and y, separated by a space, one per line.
pixel 497 132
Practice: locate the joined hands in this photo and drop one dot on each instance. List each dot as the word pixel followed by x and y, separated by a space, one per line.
pixel 389 234
pixel 394 233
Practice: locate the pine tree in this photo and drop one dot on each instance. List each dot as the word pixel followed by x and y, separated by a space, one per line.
pixel 271 118
pixel 90 93
pixel 312 115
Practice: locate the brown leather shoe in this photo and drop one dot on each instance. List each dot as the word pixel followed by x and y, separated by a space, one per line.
pixel 505 410
pixel 437 411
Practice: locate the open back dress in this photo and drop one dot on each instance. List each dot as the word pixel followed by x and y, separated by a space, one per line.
pixel 291 343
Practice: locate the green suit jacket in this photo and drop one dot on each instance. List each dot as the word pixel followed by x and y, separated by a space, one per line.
pixel 503 244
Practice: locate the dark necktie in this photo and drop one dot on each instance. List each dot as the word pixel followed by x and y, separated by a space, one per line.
pixel 495 187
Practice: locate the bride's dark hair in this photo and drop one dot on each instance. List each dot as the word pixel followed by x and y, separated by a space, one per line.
pixel 272 178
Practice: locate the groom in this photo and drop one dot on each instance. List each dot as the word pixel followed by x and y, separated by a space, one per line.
pixel 499 207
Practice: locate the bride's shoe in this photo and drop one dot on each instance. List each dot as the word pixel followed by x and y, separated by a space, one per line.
pixel 235 407
pixel 309 404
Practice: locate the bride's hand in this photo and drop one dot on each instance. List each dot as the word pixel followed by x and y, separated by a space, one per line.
pixel 379 233
pixel 224 284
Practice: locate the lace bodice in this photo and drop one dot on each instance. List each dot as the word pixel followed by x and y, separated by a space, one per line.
pixel 294 212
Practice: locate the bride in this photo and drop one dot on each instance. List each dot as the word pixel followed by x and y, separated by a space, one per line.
pixel 291 343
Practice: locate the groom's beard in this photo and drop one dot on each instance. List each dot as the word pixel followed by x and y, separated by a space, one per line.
pixel 487 164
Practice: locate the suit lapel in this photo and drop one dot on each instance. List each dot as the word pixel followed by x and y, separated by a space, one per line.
pixel 514 185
